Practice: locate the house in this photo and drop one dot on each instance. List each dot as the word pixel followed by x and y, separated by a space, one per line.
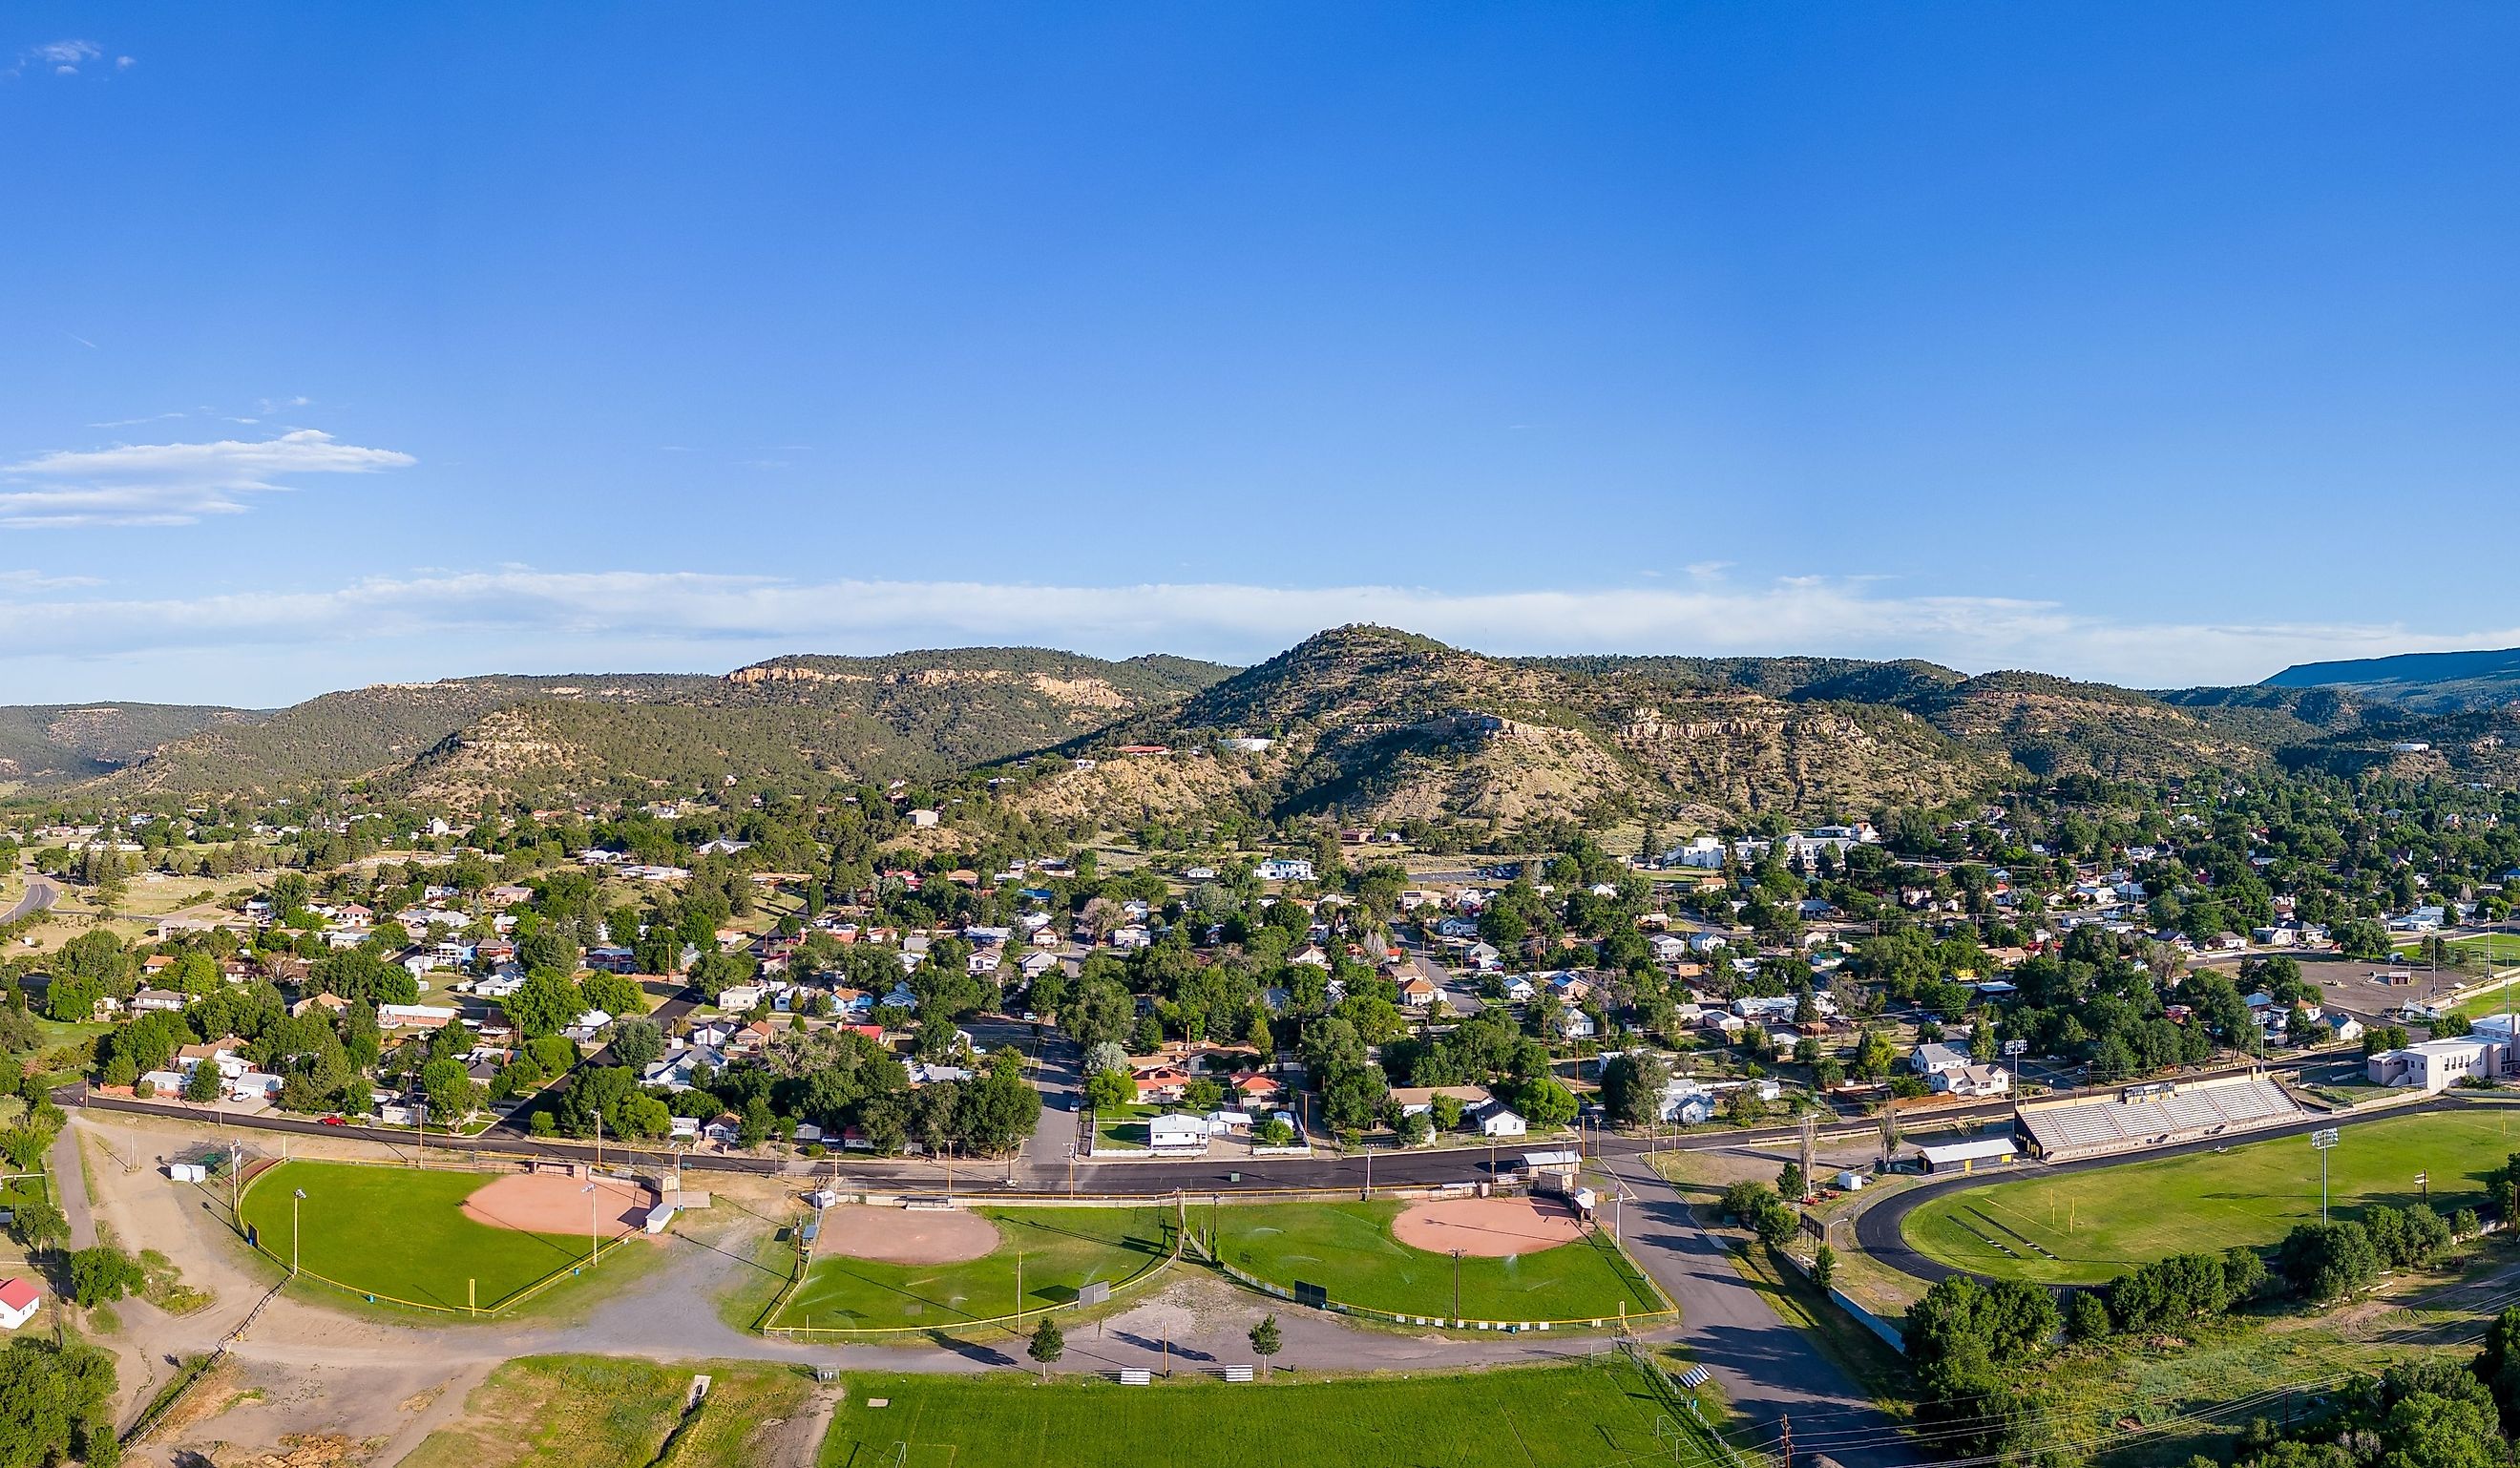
pixel 1934 1058
pixel 1701 853
pixel 20 1298
pixel 1496 1119
pixel 1252 1085
pixel 1667 948
pixel 2342 1027
pixel 413 1016
pixel 1575 1024
pixel 1161 1082
pixel 1177 1134
pixel 1286 869
pixel 156 1001
pixel 922 818
pixel 1971 1080
pixel 1415 993
pixel 1413 1099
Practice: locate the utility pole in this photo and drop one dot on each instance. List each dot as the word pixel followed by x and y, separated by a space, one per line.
pixel 1457 1287
pixel 1785 1450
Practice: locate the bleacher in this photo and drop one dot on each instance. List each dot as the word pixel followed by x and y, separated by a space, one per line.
pixel 2168 1116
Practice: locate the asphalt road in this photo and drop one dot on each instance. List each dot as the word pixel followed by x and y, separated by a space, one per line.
pixel 41 894
pixel 1771 1372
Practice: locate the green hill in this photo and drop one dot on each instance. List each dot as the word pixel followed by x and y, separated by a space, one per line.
pixel 59 743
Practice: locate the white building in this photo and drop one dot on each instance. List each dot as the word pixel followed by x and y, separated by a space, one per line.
pixel 2439 1064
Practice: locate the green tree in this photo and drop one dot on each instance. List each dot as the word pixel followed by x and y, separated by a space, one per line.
pixel 1824 1266
pixel 202 1084
pixel 1109 1091
pixel 39 1227
pixel 1544 1102
pixel 545 1004
pixel 1265 1340
pixel 102 1275
pixel 1048 1344
pixel 1631 1087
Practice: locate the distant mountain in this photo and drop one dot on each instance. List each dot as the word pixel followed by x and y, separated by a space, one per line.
pixel 2426 682
pixel 1362 723
pixel 875 717
pixel 1391 727
pixel 359 733
pixel 59 743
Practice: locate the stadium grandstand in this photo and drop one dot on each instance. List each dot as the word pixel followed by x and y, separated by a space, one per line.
pixel 2156 1115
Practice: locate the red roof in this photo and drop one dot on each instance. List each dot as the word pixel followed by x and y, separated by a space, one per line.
pixel 19 1295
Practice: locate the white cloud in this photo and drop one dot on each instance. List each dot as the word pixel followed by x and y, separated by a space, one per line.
pixel 170 483
pixel 38 581
pixel 521 619
pixel 63 58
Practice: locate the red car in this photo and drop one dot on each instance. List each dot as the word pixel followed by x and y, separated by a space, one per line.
pixel 335 1120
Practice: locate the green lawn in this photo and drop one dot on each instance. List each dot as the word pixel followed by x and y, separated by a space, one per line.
pixel 400 1234
pixel 1534 1417
pixel 1348 1250
pixel 1062 1249
pixel 592 1412
pixel 2103 1221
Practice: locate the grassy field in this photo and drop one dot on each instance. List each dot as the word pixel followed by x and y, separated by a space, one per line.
pixel 400 1234
pixel 1534 1417
pixel 2098 1223
pixel 586 1411
pixel 1348 1250
pixel 1063 1249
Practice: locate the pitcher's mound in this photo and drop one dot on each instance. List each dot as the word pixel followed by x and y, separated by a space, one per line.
pixel 552 1203
pixel 906 1236
pixel 1489 1228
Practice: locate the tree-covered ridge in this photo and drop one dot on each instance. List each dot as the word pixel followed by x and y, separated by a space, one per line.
pixel 55 743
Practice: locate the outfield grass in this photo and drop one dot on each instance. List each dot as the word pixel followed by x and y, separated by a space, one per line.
pixel 400 1234
pixel 591 1411
pixel 1347 1249
pixel 1533 1417
pixel 1062 1249
pixel 2103 1221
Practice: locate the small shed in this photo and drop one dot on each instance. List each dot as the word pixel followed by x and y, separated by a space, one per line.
pixel 1967 1156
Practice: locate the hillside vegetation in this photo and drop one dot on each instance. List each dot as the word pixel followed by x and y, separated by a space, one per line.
pixel 1362 724
pixel 57 743
pixel 472 739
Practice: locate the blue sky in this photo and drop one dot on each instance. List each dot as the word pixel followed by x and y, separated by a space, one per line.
pixel 348 343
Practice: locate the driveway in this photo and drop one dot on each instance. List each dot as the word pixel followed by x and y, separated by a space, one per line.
pixel 1769 1369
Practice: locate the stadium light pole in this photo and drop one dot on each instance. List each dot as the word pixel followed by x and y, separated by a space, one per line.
pixel 2012 1049
pixel 2322 1141
pixel 594 1238
pixel 296 1237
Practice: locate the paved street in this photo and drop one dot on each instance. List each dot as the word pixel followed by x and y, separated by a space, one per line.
pixel 1767 1369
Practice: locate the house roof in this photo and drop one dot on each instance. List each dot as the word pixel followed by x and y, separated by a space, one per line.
pixel 19 1294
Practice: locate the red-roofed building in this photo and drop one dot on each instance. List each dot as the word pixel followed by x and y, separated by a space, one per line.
pixel 19 1298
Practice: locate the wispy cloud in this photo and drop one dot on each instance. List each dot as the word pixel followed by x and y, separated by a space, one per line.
pixel 39 581
pixel 170 483
pixel 63 58
pixel 520 618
